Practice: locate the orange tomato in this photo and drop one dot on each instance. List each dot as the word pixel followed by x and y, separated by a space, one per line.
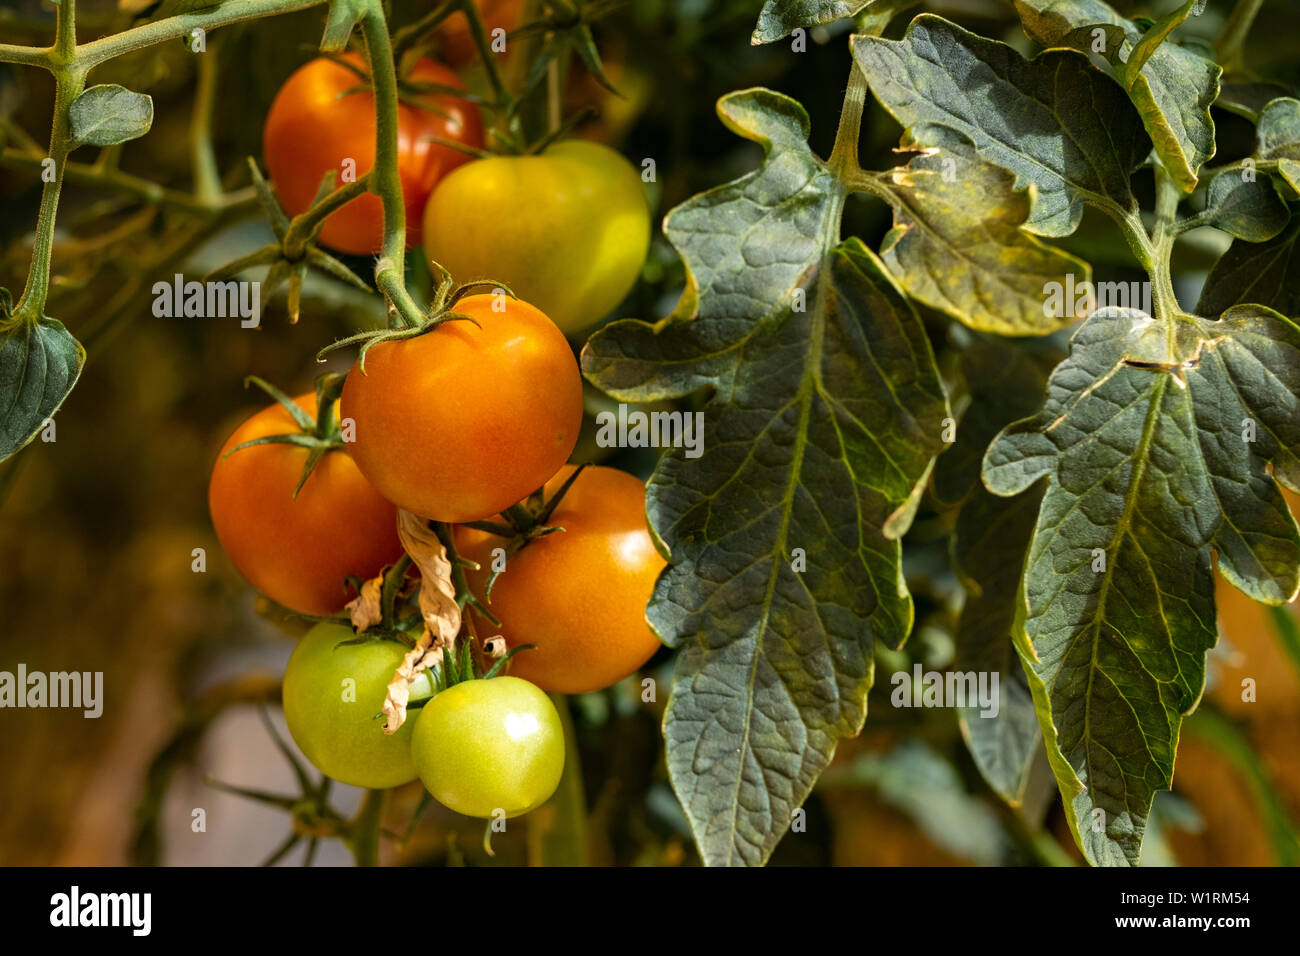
pixel 457 43
pixel 465 420
pixel 579 594
pixel 315 126
pixel 298 551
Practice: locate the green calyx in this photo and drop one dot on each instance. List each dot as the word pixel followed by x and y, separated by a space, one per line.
pixel 294 250
pixel 318 435
pixel 441 310
pixel 526 522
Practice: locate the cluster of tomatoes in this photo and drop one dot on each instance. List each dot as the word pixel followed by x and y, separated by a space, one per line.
pixel 456 425
pixel 568 227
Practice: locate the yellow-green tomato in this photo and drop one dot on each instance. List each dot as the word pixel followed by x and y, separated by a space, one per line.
pixel 483 746
pixel 566 230
pixel 332 692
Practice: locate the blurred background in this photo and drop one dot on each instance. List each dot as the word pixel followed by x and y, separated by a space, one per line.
pixel 97 528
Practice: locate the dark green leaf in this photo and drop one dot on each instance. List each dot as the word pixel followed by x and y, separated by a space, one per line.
pixel 1249 209
pixel 1004 383
pixel 1171 86
pixel 989 547
pixel 1155 35
pixel 877 15
pixel 1265 273
pixel 1054 121
pixel 1155 437
pixel 780 18
pixel 822 426
pixel 109 114
pixel 1279 139
pixel 39 364
pixel 957 244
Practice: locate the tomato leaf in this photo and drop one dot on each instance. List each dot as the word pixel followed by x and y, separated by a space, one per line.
pixel 1053 121
pixel 39 364
pixel 1264 273
pixel 109 114
pixel 1278 141
pixel 1004 383
pixel 822 425
pixel 989 547
pixel 1171 86
pixel 1248 209
pixel 957 244
pixel 780 18
pixel 989 544
pixel 1155 438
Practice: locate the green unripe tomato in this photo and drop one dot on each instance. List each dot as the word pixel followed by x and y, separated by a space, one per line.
pixel 566 230
pixel 487 745
pixel 331 696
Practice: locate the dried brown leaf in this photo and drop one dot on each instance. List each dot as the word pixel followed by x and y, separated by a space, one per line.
pixel 437 605
pixel 365 609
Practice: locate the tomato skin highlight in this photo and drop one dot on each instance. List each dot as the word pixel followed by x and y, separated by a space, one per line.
pixel 333 723
pixel 298 551
pixel 578 595
pixel 566 230
pixel 488 745
pixel 461 422
pixel 312 128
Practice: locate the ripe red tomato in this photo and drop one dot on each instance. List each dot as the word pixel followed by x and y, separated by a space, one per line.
pixel 313 128
pixel 464 421
pixel 579 594
pixel 298 551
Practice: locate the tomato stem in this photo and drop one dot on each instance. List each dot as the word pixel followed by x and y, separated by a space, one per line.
pixel 364 829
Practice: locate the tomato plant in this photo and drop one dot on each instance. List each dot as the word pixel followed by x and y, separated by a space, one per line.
pixel 323 121
pixel 567 229
pixel 577 596
pixel 941 518
pixel 465 420
pixel 489 746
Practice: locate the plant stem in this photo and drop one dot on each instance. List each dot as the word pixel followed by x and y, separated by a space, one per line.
pixel 94 175
pixel 1168 197
pixel 207 179
pixel 504 100
pixel 384 179
pixel 69 80
pixel 844 154
pixel 1227 49
pixel 97 51
pixel 65 32
pixel 301 227
pixel 25 55
pixel 365 829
